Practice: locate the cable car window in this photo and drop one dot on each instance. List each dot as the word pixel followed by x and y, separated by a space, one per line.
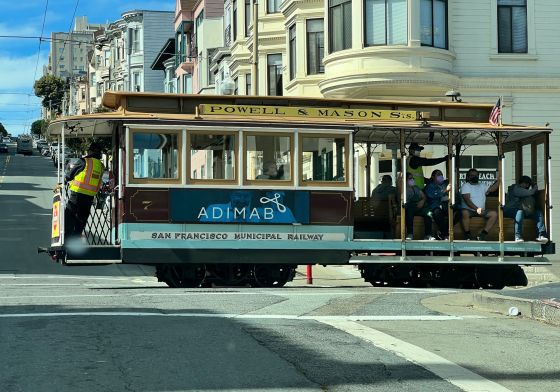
pixel 155 155
pixel 268 157
pixel 212 156
pixel 324 158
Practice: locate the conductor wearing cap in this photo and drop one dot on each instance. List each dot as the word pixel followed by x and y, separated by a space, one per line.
pixel 416 163
pixel 85 181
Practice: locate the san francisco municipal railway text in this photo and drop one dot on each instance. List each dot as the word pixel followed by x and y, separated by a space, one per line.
pixel 237 236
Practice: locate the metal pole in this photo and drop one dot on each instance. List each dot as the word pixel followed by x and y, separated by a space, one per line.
pixel 63 187
pixel 309 274
pixel 368 170
pixel 501 192
pixel 450 179
pixel 255 70
pixel 403 192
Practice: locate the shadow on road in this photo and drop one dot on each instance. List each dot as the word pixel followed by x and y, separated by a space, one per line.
pixel 142 348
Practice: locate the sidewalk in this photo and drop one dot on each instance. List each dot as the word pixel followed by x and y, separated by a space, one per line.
pixel 527 300
pixel 329 276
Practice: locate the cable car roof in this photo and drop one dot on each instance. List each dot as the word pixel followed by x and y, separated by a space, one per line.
pixel 183 110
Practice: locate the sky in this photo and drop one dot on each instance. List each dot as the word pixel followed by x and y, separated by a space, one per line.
pixel 22 59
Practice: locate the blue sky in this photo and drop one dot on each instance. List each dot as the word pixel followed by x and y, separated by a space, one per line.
pixel 21 61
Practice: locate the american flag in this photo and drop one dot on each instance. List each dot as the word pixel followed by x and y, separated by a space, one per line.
pixel 496 113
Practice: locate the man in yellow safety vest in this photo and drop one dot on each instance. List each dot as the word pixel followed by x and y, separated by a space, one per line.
pixel 416 163
pixel 85 181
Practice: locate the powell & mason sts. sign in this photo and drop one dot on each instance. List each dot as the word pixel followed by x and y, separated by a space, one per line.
pixel 310 112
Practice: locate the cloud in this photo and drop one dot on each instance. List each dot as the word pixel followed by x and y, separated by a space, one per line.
pixel 16 72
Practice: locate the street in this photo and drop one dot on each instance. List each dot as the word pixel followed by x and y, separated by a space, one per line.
pixel 115 328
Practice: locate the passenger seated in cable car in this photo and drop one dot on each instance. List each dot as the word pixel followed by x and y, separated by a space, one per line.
pixel 416 206
pixel 384 190
pixel 269 172
pixel 437 194
pixel 473 203
pixel 520 204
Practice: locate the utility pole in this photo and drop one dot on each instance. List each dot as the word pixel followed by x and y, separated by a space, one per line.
pixel 255 70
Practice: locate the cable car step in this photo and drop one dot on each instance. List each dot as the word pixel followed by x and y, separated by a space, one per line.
pixel 96 254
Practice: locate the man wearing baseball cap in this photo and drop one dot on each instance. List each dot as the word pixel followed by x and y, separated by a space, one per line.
pixel 416 163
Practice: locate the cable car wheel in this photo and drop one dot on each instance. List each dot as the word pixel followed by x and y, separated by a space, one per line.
pixel 181 275
pixel 272 275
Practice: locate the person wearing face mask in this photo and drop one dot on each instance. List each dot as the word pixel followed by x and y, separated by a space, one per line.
pixel 514 208
pixel 473 203
pixel 416 206
pixel 437 194
pixel 416 163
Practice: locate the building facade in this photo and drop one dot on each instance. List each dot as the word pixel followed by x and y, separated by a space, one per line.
pixel 125 51
pixel 406 49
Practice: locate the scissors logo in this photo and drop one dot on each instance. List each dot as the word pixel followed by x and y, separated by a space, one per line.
pixel 280 206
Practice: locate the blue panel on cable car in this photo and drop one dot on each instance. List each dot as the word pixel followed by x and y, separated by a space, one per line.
pixel 239 206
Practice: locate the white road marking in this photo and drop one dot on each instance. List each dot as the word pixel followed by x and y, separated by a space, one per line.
pixel 457 375
pixel 331 320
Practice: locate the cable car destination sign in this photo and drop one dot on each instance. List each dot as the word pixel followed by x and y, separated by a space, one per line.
pixel 309 112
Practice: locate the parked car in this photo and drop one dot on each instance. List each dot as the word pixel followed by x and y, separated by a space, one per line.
pixel 41 144
pixel 3 148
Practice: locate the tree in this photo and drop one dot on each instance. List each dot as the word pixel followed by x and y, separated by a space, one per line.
pixel 38 127
pixel 51 88
pixel 3 130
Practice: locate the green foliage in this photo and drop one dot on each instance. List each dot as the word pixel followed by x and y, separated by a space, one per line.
pixel 39 127
pixel 3 130
pixel 101 109
pixel 51 88
pixel 81 144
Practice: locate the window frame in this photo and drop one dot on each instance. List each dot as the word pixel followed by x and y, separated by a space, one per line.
pixel 340 3
pixel 248 5
pixel 324 184
pixel 155 181
pixel 283 183
pixel 199 181
pixel 321 67
pixel 275 8
pixel 268 66
pixel 292 49
pixel 511 51
pixel 387 24
pixel 446 46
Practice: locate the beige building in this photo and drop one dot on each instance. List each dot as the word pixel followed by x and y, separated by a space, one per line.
pixel 412 50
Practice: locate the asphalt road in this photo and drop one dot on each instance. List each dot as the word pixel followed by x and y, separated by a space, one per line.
pixel 118 329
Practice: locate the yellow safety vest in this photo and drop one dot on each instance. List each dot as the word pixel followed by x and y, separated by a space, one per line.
pixel 417 174
pixel 88 181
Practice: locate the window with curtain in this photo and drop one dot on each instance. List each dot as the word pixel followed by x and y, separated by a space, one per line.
pixel 234 20
pixel 340 25
pixel 292 47
pixel 273 6
pixel 512 26
pixel 385 22
pixel 315 46
pixel 248 86
pixel 274 73
pixel 433 21
pixel 248 17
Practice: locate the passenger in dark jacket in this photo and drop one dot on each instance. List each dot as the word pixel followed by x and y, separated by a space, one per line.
pixel 513 208
pixel 437 194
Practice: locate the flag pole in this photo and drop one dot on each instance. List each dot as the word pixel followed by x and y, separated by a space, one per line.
pixel 500 123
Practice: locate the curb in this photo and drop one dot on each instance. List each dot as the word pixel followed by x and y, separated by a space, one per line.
pixel 547 311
